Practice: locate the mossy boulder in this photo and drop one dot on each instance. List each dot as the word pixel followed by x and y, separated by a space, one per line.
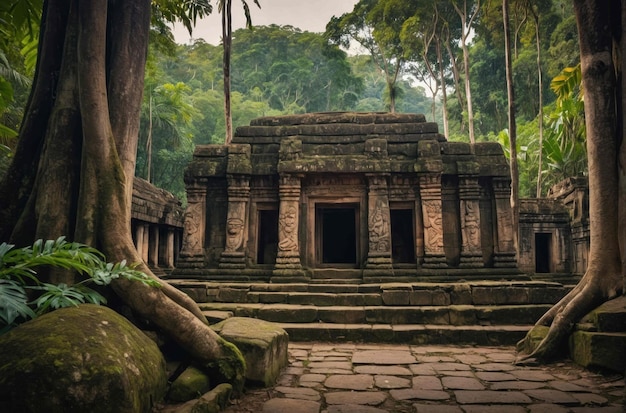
pixel 81 359
pixel 262 343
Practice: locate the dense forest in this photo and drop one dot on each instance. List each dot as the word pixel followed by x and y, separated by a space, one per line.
pixel 390 55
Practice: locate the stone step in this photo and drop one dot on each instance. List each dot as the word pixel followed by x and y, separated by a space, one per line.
pixel 386 294
pixel 418 334
pixel 504 335
pixel 452 315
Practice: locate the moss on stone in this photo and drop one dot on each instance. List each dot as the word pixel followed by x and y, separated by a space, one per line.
pixel 86 358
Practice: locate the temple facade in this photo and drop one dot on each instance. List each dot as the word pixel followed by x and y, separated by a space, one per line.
pixel 359 196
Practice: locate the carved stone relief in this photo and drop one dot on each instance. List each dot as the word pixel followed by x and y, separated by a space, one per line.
pixel 193 234
pixel 234 228
pixel 433 230
pixel 288 229
pixel 379 229
pixel 471 226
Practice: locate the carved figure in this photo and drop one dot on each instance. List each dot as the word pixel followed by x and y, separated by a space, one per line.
pixel 432 225
pixel 378 229
pixel 234 234
pixel 471 228
pixel 287 226
pixel 192 239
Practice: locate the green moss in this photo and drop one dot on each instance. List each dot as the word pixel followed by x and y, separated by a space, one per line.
pixel 89 357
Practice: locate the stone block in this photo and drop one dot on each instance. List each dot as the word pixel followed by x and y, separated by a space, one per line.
pixel 461 294
pixel 232 295
pixel 395 297
pixel 263 345
pixel 603 350
pixel 288 314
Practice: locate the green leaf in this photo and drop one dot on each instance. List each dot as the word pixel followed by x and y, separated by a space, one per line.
pixel 13 302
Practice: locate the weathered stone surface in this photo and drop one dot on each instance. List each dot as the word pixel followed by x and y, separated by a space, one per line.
pixel 491 397
pixel 383 357
pixel 354 408
pixel 430 408
pixel 409 394
pixel 593 349
pixel 372 398
pixel 462 383
pixel 89 358
pixel 427 383
pixel 552 396
pixel 391 382
pixel 350 381
pixel 390 370
pixel 189 385
pixel 284 405
pixel 263 345
pixel 303 393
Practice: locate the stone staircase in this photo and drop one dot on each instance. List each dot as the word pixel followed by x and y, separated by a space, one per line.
pixel 474 312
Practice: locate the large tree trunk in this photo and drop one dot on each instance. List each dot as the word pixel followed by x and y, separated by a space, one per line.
pixel 600 33
pixel 80 136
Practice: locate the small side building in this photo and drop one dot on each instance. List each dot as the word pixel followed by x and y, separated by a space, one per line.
pixel 359 196
pixel 157 225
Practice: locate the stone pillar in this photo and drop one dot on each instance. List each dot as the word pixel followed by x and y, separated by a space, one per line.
pixel 378 227
pixel 234 255
pixel 139 238
pixel 469 198
pixel 288 262
pixel 153 246
pixel 192 252
pixel 432 212
pixel 168 256
pixel 504 256
pixel 145 243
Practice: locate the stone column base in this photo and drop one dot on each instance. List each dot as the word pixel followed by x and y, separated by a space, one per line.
pixel 434 261
pixel 505 260
pixel 471 260
pixel 232 260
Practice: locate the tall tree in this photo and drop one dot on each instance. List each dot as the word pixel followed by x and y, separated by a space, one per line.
pixel 73 168
pixel 376 25
pixel 225 7
pixel 512 125
pixel 467 14
pixel 602 52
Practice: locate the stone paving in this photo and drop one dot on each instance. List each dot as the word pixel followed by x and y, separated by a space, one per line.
pixel 366 378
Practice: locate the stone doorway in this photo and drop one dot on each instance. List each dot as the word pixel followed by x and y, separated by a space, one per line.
pixel 543 252
pixel 336 236
pixel 267 247
pixel 402 236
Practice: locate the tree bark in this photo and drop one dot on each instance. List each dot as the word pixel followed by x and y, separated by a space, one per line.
pixel 600 32
pixel 84 160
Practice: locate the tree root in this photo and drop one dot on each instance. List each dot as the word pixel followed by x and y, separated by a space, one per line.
pixel 562 318
pixel 193 335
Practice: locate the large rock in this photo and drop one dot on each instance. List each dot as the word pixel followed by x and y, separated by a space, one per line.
pixel 80 359
pixel 262 343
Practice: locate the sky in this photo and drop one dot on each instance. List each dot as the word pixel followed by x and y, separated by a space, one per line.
pixel 307 15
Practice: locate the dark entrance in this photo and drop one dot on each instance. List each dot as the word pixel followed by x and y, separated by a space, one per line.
pixel 336 234
pixel 267 247
pixel 543 252
pixel 402 236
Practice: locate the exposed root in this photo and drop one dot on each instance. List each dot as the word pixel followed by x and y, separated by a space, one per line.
pixel 564 316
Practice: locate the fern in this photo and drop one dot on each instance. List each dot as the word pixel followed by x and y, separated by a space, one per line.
pixel 18 275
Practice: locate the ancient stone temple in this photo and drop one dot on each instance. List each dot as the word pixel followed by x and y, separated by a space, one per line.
pixel 359 196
